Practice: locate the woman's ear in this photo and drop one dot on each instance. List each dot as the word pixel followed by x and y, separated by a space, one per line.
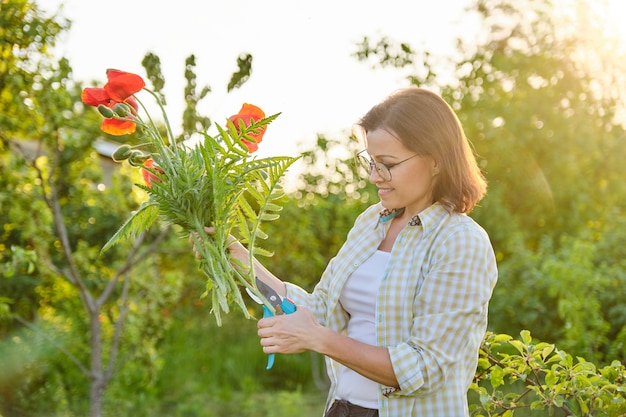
pixel 435 167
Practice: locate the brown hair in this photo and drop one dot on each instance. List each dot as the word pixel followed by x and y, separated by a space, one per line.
pixel 426 124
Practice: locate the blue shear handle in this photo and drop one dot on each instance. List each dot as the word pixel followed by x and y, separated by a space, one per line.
pixel 270 357
pixel 288 307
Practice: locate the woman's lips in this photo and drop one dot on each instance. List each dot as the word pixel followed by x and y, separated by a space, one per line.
pixel 384 191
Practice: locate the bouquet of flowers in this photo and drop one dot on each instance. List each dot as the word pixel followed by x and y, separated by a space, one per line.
pixel 214 183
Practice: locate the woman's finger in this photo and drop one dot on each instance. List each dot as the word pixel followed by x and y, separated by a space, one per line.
pixel 194 239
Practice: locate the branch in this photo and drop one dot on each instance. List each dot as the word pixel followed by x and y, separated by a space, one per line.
pixel 131 261
pixel 119 325
pixel 133 258
pixel 128 264
pixel 52 201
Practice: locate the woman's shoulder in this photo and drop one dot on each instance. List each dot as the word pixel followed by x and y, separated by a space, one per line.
pixel 443 223
pixel 461 231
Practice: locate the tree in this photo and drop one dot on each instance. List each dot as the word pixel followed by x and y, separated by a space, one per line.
pixel 60 180
pixel 102 313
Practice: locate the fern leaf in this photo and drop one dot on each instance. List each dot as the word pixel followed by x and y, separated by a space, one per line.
pixel 141 220
pixel 261 234
pixel 257 251
pixel 269 217
pixel 254 194
pixel 273 207
pixel 244 232
pixel 245 207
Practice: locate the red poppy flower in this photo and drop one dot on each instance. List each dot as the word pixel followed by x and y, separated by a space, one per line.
pixel 148 176
pixel 119 89
pixel 250 113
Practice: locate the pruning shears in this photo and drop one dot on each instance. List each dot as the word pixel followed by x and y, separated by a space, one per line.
pixel 282 305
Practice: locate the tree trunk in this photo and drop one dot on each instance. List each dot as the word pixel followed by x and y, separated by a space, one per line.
pixel 97 380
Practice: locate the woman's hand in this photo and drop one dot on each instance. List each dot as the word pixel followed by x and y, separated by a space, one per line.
pixel 236 249
pixel 299 331
pixel 290 333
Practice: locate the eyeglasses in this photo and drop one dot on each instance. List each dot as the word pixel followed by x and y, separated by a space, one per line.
pixel 384 170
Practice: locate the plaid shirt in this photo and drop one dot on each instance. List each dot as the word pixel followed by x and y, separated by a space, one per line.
pixel 431 311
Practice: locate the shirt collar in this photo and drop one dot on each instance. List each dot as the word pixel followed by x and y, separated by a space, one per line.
pixel 388 214
pixel 425 218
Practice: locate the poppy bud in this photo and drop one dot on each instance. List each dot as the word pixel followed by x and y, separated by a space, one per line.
pixel 137 158
pixel 121 109
pixel 106 111
pixel 122 153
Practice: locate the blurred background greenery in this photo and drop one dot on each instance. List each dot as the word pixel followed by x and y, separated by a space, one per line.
pixel 127 333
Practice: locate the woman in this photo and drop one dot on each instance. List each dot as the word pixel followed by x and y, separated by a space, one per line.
pixel 400 312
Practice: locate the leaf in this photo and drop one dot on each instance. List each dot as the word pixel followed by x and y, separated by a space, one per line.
pixel 273 207
pixel 262 252
pixel 242 226
pixel 245 207
pixel 268 217
pixel 521 348
pixel 526 338
pixel 545 349
pixel 497 377
pixel 502 338
pixel 551 378
pixel 261 234
pixel 141 220
pixel 276 194
pixel 254 192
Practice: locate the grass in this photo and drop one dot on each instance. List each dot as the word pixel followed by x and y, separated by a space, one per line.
pixel 220 371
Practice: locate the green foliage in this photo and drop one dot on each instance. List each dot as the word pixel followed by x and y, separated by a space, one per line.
pixel 213 378
pixel 63 305
pixel 543 123
pixel 152 65
pixel 577 288
pixel 95 318
pixel 244 63
pixel 140 221
pixel 518 375
pixel 26 36
pixel 332 172
pixel 192 121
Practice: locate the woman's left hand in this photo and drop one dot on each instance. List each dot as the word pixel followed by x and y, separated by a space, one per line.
pixel 289 333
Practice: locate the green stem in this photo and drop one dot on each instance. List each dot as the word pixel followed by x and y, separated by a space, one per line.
pixel 155 136
pixel 253 288
pixel 170 133
pixel 218 264
pixel 151 128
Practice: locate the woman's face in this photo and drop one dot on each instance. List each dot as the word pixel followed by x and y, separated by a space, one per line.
pixel 412 181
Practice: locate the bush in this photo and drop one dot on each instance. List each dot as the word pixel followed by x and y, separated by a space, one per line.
pixel 519 375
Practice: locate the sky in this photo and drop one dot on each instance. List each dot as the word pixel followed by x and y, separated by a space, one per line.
pixel 302 63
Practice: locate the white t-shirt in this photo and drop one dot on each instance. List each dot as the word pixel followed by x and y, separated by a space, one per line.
pixel 358 298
